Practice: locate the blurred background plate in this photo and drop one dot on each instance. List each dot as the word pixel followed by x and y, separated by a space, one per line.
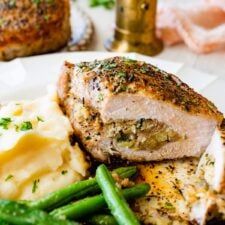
pixel 82 29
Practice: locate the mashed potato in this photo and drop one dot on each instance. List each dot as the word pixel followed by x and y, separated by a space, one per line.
pixel 36 156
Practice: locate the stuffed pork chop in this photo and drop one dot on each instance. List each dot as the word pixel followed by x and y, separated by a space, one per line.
pixel 136 111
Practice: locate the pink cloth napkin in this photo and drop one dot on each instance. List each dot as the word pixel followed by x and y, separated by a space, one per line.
pixel 201 26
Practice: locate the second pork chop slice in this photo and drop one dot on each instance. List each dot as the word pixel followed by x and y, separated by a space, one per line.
pixel 134 110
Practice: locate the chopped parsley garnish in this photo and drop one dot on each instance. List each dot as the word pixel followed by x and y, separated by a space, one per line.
pixel 10 176
pixel 108 4
pixel 109 66
pixel 127 59
pixel 39 119
pixel 26 125
pixel 64 172
pixel 168 205
pixel 16 127
pixel 88 138
pixel 144 69
pixel 121 75
pixel 35 186
pixel 4 122
pixel 100 97
pixel 49 1
pixel 36 1
pixel 81 65
pixel 46 17
pixel 129 62
pixel 121 88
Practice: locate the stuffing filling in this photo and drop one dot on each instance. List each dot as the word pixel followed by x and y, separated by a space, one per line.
pixel 143 134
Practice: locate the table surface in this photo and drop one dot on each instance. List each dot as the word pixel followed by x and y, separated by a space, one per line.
pixel 103 20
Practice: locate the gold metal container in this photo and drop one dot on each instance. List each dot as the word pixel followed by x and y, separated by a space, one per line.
pixel 135 28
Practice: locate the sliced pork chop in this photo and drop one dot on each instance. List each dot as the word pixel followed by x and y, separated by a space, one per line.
pixel 212 163
pixel 185 191
pixel 178 196
pixel 134 110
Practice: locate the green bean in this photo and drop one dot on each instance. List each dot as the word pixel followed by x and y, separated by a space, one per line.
pixel 76 190
pixel 102 220
pixel 114 198
pixel 18 214
pixel 90 205
pixel 125 172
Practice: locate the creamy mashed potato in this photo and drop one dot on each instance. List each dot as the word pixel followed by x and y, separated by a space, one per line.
pixel 36 156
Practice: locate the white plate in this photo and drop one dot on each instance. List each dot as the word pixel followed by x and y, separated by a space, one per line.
pixel 27 78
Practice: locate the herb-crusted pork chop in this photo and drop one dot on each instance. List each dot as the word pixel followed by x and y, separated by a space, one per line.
pixel 134 110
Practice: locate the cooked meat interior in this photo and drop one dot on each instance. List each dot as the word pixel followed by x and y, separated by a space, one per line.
pixel 134 110
pixel 212 163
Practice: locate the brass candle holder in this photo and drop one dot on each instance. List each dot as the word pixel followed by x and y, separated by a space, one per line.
pixel 135 28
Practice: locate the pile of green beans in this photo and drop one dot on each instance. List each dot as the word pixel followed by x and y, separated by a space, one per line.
pixel 90 205
pixel 16 213
pixel 79 202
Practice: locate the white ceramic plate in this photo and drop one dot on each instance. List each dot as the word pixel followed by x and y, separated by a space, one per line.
pixel 27 78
